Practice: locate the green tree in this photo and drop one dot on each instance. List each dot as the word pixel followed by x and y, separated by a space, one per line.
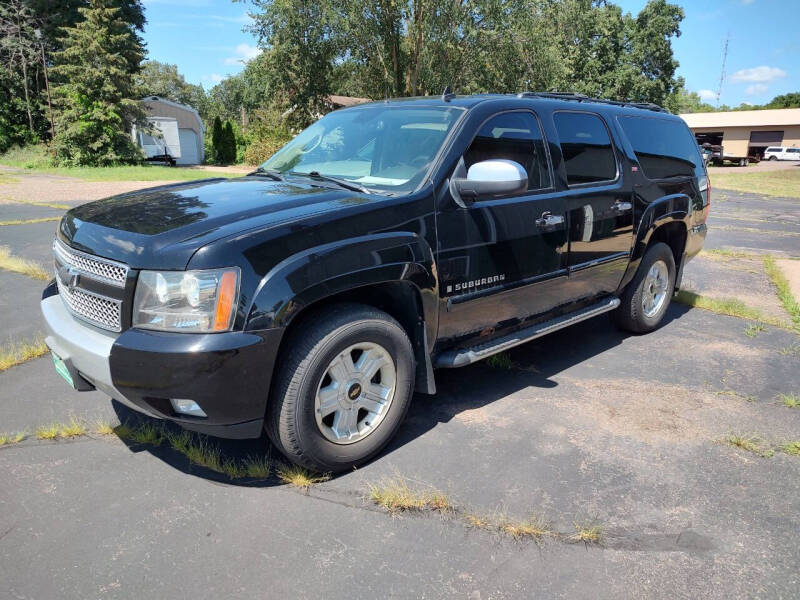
pixel 217 140
pixel 164 80
pixel 791 100
pixel 300 39
pixel 95 89
pixel 229 143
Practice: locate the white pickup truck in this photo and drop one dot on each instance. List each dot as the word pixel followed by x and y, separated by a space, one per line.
pixel 781 153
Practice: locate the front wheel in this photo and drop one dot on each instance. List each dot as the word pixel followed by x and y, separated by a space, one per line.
pixel 646 298
pixel 342 389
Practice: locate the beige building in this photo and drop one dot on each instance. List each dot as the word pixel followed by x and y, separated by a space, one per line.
pixel 746 132
pixel 190 126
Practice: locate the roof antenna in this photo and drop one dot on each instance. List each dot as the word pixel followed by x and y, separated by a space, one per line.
pixel 447 95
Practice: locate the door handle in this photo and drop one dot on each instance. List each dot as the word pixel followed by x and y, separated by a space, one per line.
pixel 621 206
pixel 548 219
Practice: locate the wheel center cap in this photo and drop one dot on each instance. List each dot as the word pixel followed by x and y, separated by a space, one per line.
pixel 354 391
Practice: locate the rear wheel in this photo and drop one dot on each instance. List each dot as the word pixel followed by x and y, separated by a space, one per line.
pixel 343 388
pixel 773 157
pixel 646 298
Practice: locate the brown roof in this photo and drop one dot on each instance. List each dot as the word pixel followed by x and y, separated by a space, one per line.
pixel 347 100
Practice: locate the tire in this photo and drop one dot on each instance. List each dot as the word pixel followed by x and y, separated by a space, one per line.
pixel 773 158
pixel 314 372
pixel 632 314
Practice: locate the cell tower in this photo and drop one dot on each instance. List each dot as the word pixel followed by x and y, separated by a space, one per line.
pixel 722 73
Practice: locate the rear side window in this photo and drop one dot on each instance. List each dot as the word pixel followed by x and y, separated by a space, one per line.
pixel 664 148
pixel 512 136
pixel 586 148
pixel 794 150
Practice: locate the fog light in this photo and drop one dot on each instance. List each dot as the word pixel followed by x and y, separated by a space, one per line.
pixel 187 407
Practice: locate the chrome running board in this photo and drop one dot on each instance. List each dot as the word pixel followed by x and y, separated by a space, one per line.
pixel 466 356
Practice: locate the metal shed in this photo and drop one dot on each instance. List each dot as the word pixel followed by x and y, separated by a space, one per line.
pixel 190 126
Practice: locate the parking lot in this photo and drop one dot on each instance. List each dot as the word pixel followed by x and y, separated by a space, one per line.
pixel 673 450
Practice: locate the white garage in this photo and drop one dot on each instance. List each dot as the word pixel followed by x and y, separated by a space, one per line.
pixel 190 127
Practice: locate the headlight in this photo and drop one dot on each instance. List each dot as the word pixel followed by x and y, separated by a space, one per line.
pixel 193 301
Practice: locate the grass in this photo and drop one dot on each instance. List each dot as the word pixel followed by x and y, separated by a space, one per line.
pixel 735 394
pixel 792 448
pixel 56 205
pixel 749 443
pixel 727 306
pixel 534 527
pixel 5 178
pixel 502 360
pixel 783 183
pixel 55 431
pixel 9 262
pixel 790 400
pixel 299 477
pixel 16 353
pixel 6 439
pixel 793 350
pixel 783 289
pixel 753 329
pixel 724 253
pixel 35 159
pixel 102 428
pixel 29 221
pixel 589 533
pixel 395 495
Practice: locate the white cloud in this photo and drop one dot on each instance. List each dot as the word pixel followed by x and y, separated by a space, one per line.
pixel 748 1
pixel 244 52
pixel 707 94
pixel 756 89
pixel 213 78
pixel 760 74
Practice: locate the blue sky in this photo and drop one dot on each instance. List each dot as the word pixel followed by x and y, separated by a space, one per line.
pixel 205 39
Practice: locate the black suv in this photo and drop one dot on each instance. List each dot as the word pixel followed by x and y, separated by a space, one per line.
pixel 312 297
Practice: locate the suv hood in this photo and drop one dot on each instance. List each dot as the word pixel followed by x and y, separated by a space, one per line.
pixel 160 228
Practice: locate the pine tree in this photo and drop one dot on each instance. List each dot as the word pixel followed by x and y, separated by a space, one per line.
pixel 217 141
pixel 230 143
pixel 95 86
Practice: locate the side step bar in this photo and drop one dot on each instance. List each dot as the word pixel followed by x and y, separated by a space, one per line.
pixel 465 356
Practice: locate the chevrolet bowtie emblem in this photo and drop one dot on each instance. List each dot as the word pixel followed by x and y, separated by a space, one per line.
pixel 69 276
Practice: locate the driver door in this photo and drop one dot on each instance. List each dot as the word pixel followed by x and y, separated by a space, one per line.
pixel 504 258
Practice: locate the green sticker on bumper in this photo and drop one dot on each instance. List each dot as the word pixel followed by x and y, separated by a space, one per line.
pixel 61 369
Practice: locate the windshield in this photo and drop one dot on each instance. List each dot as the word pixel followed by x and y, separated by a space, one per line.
pixel 383 147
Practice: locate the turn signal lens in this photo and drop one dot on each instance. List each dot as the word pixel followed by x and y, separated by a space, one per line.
pixel 226 298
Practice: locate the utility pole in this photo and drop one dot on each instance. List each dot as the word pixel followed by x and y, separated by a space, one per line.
pixel 722 73
pixel 38 34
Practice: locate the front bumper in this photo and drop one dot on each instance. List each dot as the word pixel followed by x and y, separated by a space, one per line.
pixel 227 374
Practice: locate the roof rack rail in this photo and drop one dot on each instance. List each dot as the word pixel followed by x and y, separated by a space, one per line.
pixel 585 98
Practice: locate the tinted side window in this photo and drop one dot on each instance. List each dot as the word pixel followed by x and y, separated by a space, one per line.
pixel 664 148
pixel 512 136
pixel 586 147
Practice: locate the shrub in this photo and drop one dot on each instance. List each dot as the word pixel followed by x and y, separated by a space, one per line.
pixel 268 132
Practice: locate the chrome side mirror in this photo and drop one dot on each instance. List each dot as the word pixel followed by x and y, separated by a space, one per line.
pixel 486 179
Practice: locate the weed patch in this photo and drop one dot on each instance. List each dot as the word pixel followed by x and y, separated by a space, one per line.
pixel 784 290
pixel 14 354
pixel 534 528
pixel 588 533
pixel 395 495
pixel 792 448
pixel 29 221
pixel 501 360
pixel 753 329
pixel 6 439
pixel 727 306
pixel 299 477
pixel 749 443
pixel 790 400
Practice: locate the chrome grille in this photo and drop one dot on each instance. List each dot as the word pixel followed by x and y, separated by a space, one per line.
pixel 95 267
pixel 98 310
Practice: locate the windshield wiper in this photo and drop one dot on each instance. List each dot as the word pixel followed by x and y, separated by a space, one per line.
pixel 271 173
pixel 348 185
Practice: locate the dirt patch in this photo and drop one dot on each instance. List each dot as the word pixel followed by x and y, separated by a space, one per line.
pixel 743 278
pixel 791 269
pixel 32 187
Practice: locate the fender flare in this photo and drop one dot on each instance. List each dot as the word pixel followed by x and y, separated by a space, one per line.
pixel 323 271
pixel 667 209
